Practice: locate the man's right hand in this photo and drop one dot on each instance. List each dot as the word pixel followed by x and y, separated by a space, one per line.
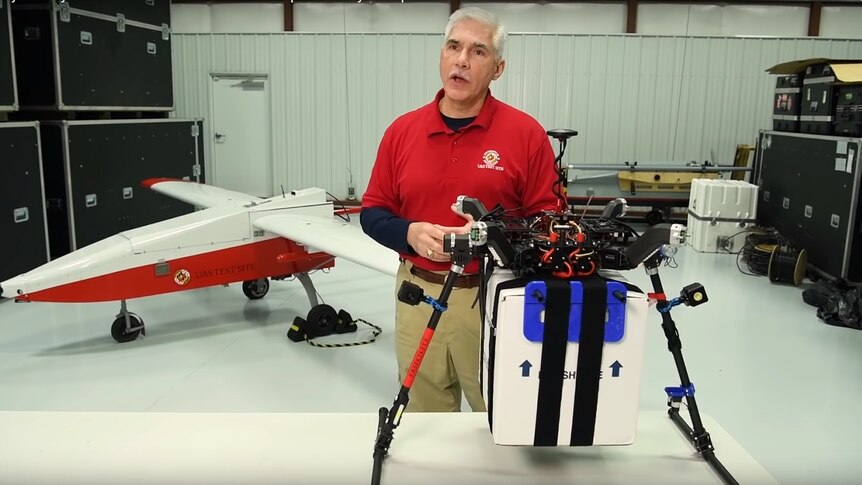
pixel 427 240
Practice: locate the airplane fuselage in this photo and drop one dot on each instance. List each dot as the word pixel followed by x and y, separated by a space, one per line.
pixel 214 246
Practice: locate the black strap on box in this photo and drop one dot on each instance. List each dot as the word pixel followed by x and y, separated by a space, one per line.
pixel 588 374
pixel 555 339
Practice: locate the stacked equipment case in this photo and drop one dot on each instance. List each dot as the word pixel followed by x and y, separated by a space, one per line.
pixel 785 112
pixel 818 100
pixel 95 169
pixel 97 76
pixel 808 96
pixel 809 192
pixel 22 208
pixel 848 110
pixel 8 88
pixel 93 55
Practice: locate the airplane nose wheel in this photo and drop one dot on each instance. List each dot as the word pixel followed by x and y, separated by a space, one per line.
pixel 255 289
pixel 127 326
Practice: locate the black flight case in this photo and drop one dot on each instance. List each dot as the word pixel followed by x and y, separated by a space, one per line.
pixel 809 192
pixel 785 112
pixel 102 55
pixel 94 171
pixel 8 89
pixel 24 241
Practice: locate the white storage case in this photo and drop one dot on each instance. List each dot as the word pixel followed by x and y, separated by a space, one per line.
pixel 718 210
pixel 512 361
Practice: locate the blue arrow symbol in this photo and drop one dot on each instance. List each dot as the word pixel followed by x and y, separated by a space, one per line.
pixel 525 368
pixel 615 368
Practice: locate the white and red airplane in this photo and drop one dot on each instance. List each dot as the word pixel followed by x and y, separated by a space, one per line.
pixel 236 237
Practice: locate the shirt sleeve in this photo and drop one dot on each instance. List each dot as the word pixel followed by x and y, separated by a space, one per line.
pixel 380 202
pixel 541 176
pixel 381 190
pixel 386 228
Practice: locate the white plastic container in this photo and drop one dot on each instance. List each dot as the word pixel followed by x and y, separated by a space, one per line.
pixel 719 214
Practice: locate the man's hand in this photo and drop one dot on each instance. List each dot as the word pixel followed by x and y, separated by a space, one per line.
pixel 427 239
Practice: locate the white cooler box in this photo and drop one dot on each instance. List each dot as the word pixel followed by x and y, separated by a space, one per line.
pixel 719 210
pixel 513 353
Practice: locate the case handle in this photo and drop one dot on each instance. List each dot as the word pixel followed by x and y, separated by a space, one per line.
pixel 22 214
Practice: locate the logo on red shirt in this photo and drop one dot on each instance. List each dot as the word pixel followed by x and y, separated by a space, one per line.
pixel 490 160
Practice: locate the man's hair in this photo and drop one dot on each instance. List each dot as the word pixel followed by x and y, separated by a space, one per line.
pixel 498 36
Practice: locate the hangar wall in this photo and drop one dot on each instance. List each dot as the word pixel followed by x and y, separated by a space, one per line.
pixel 631 97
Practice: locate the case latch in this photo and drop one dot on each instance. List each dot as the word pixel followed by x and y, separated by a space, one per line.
pixel 65 12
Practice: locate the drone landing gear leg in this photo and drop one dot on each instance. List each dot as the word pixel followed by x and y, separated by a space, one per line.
pixel 389 419
pixel 698 435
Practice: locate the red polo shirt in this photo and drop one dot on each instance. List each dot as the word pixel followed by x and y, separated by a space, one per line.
pixel 503 157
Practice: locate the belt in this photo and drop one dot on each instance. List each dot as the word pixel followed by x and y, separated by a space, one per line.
pixel 463 281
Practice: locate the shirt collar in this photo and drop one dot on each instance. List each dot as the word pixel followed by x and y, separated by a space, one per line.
pixel 483 119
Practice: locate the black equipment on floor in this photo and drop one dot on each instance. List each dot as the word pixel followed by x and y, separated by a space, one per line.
pixel 322 320
pixel 787 265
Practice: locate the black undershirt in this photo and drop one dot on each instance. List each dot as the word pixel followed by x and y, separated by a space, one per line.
pixel 456 124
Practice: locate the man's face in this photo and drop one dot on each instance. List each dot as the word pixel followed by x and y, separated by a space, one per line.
pixel 468 62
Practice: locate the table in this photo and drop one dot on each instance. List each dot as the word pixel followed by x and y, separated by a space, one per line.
pixel 244 448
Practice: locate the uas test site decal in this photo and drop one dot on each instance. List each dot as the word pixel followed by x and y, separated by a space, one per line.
pixel 182 277
pixel 225 270
pixel 527 366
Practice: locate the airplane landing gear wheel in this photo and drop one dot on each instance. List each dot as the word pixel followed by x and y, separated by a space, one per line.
pixel 322 320
pixel 123 335
pixel 255 289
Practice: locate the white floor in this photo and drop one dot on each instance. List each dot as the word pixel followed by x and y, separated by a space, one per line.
pixel 786 386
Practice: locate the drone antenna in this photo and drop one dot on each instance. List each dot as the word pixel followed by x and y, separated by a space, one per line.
pixel 587 206
pixel 282 192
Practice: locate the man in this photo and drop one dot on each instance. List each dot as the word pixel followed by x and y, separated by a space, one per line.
pixel 465 142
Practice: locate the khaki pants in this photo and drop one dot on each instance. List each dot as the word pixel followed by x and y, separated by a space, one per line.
pixel 451 364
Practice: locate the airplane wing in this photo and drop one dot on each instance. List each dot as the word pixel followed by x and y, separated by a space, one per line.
pixel 199 194
pixel 336 237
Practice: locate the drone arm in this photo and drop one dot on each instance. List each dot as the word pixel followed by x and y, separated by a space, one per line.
pixel 652 240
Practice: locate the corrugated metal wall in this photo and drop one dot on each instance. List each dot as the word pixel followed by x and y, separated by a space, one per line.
pixel 645 98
